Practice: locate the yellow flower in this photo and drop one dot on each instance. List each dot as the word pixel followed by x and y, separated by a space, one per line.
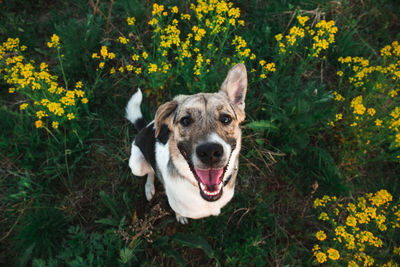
pixel 123 40
pixel 103 51
pixel 153 21
pixel 321 257
pixel 40 114
pixel 84 100
pixel 111 55
pixel 174 9
pixel 392 93
pixel 279 37
pixel 79 93
pixel 323 216
pixel 70 116
pixel 333 254
pixel 185 16
pixel 95 55
pixel 320 235
pixel 55 124
pixel 157 9
pixel 351 221
pixel 378 122
pixel 130 20
pixel 152 68
pixel 38 123
pixel 78 84
pixel 23 106
pixel 339 116
pixel 339 73
pixel 43 66
pixel 371 111
pixel 55 41
pixel 112 70
pixel 138 70
pixel 352 264
pixel 101 65
pixel 145 55
pixel 135 57
pixel 302 20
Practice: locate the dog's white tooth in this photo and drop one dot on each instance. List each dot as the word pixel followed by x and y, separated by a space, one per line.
pixel 203 187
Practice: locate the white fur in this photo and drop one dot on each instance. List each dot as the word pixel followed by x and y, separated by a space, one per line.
pixel 182 190
pixel 133 112
pixel 149 188
pixel 140 167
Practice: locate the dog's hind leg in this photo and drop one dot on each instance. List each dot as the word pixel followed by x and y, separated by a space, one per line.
pixel 140 167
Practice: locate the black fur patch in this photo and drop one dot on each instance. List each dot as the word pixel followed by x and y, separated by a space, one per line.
pixel 146 142
pixel 140 124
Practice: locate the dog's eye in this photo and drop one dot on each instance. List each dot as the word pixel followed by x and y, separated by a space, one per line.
pixel 225 119
pixel 186 121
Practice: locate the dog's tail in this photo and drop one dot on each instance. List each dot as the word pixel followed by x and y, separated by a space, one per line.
pixel 133 113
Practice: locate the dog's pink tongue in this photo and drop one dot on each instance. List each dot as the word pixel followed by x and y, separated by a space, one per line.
pixel 210 177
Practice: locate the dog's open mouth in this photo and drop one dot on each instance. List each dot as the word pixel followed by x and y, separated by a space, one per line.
pixel 210 182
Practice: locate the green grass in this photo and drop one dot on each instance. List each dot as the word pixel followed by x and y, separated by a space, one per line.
pixel 72 200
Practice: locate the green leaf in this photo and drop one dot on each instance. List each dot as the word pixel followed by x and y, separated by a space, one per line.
pixel 263 125
pixel 108 222
pixel 109 203
pixel 193 241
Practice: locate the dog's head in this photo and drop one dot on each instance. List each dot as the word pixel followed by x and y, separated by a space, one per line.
pixel 205 132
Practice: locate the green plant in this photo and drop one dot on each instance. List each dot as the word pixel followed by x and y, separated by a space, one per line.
pixel 40 232
pixel 367 100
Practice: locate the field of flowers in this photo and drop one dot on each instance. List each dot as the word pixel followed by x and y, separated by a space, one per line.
pixel 320 164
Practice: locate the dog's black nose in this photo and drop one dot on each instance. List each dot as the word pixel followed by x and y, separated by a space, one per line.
pixel 210 153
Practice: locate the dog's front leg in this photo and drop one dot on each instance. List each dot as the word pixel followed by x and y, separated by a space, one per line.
pixel 149 187
pixel 181 219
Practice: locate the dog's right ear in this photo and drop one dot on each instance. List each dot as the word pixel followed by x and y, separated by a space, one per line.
pixel 163 115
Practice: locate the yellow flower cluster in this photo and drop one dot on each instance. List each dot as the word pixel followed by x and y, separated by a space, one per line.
pixel 374 102
pixel 357 229
pixel 104 55
pixel 189 42
pixel 322 36
pixel 51 102
pixel 130 20
pixel 55 41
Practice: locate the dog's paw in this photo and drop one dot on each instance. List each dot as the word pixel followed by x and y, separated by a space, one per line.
pixel 181 219
pixel 149 189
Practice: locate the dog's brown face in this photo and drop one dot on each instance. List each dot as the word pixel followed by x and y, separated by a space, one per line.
pixel 205 131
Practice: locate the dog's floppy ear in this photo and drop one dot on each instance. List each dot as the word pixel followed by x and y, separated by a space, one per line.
pixel 163 115
pixel 235 87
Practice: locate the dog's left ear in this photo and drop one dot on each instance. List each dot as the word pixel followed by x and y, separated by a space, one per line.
pixel 163 115
pixel 235 87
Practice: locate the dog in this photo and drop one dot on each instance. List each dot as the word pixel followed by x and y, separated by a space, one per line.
pixel 192 146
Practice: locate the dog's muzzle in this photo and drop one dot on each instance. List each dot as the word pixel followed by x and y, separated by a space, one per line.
pixel 209 170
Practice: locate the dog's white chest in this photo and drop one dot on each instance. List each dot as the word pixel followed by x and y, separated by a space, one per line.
pixel 183 196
